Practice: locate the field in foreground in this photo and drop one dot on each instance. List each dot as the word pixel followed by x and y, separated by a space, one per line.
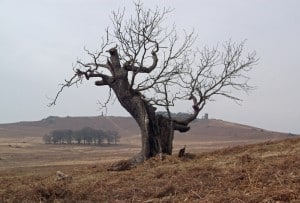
pixel 267 172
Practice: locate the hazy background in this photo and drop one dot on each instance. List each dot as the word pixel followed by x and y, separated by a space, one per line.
pixel 40 40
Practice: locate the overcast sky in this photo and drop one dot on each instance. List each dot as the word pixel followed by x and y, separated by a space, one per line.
pixel 40 40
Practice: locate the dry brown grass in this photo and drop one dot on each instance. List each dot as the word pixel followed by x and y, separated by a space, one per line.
pixel 267 172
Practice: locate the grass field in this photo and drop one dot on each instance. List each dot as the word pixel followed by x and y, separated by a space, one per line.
pixel 266 172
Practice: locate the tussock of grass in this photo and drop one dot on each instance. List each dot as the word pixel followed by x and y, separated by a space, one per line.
pixel 267 172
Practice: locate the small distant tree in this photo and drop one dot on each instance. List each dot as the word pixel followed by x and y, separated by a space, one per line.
pixel 47 139
pixel 148 66
pixel 88 134
pixel 78 137
pixel 57 137
pixel 114 136
pixel 100 137
pixel 67 136
pixel 109 139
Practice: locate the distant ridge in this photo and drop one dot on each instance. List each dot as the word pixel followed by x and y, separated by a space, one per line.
pixel 213 129
pixel 201 129
pixel 124 125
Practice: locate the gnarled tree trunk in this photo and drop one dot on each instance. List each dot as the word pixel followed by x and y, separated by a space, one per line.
pixel 166 134
pixel 156 131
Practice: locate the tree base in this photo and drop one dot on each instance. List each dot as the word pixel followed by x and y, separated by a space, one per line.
pixel 122 165
pixel 128 164
pixel 138 159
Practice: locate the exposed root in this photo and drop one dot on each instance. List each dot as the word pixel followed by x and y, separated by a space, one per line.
pixel 128 164
pixel 122 165
pixel 133 162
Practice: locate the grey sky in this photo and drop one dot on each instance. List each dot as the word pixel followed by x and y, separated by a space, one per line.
pixel 39 41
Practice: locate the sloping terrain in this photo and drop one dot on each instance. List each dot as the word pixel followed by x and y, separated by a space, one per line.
pixel 265 172
pixel 223 130
pixel 124 125
pixel 204 130
pixel 21 143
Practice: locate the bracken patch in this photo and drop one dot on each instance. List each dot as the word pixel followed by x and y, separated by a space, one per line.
pixel 266 172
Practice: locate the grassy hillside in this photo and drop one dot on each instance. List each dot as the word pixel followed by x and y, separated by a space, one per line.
pixel 201 130
pixel 124 125
pixel 266 172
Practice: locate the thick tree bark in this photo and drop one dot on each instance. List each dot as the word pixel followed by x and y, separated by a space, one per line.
pixel 141 112
pixel 156 131
pixel 166 132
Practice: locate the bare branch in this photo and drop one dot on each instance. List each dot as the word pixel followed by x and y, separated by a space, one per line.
pixel 68 83
pixel 217 73
pixel 152 62
pixel 104 106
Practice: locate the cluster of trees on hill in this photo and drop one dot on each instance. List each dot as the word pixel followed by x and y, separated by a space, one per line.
pixel 86 135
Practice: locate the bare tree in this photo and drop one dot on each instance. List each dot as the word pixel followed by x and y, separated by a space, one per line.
pixel 148 65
